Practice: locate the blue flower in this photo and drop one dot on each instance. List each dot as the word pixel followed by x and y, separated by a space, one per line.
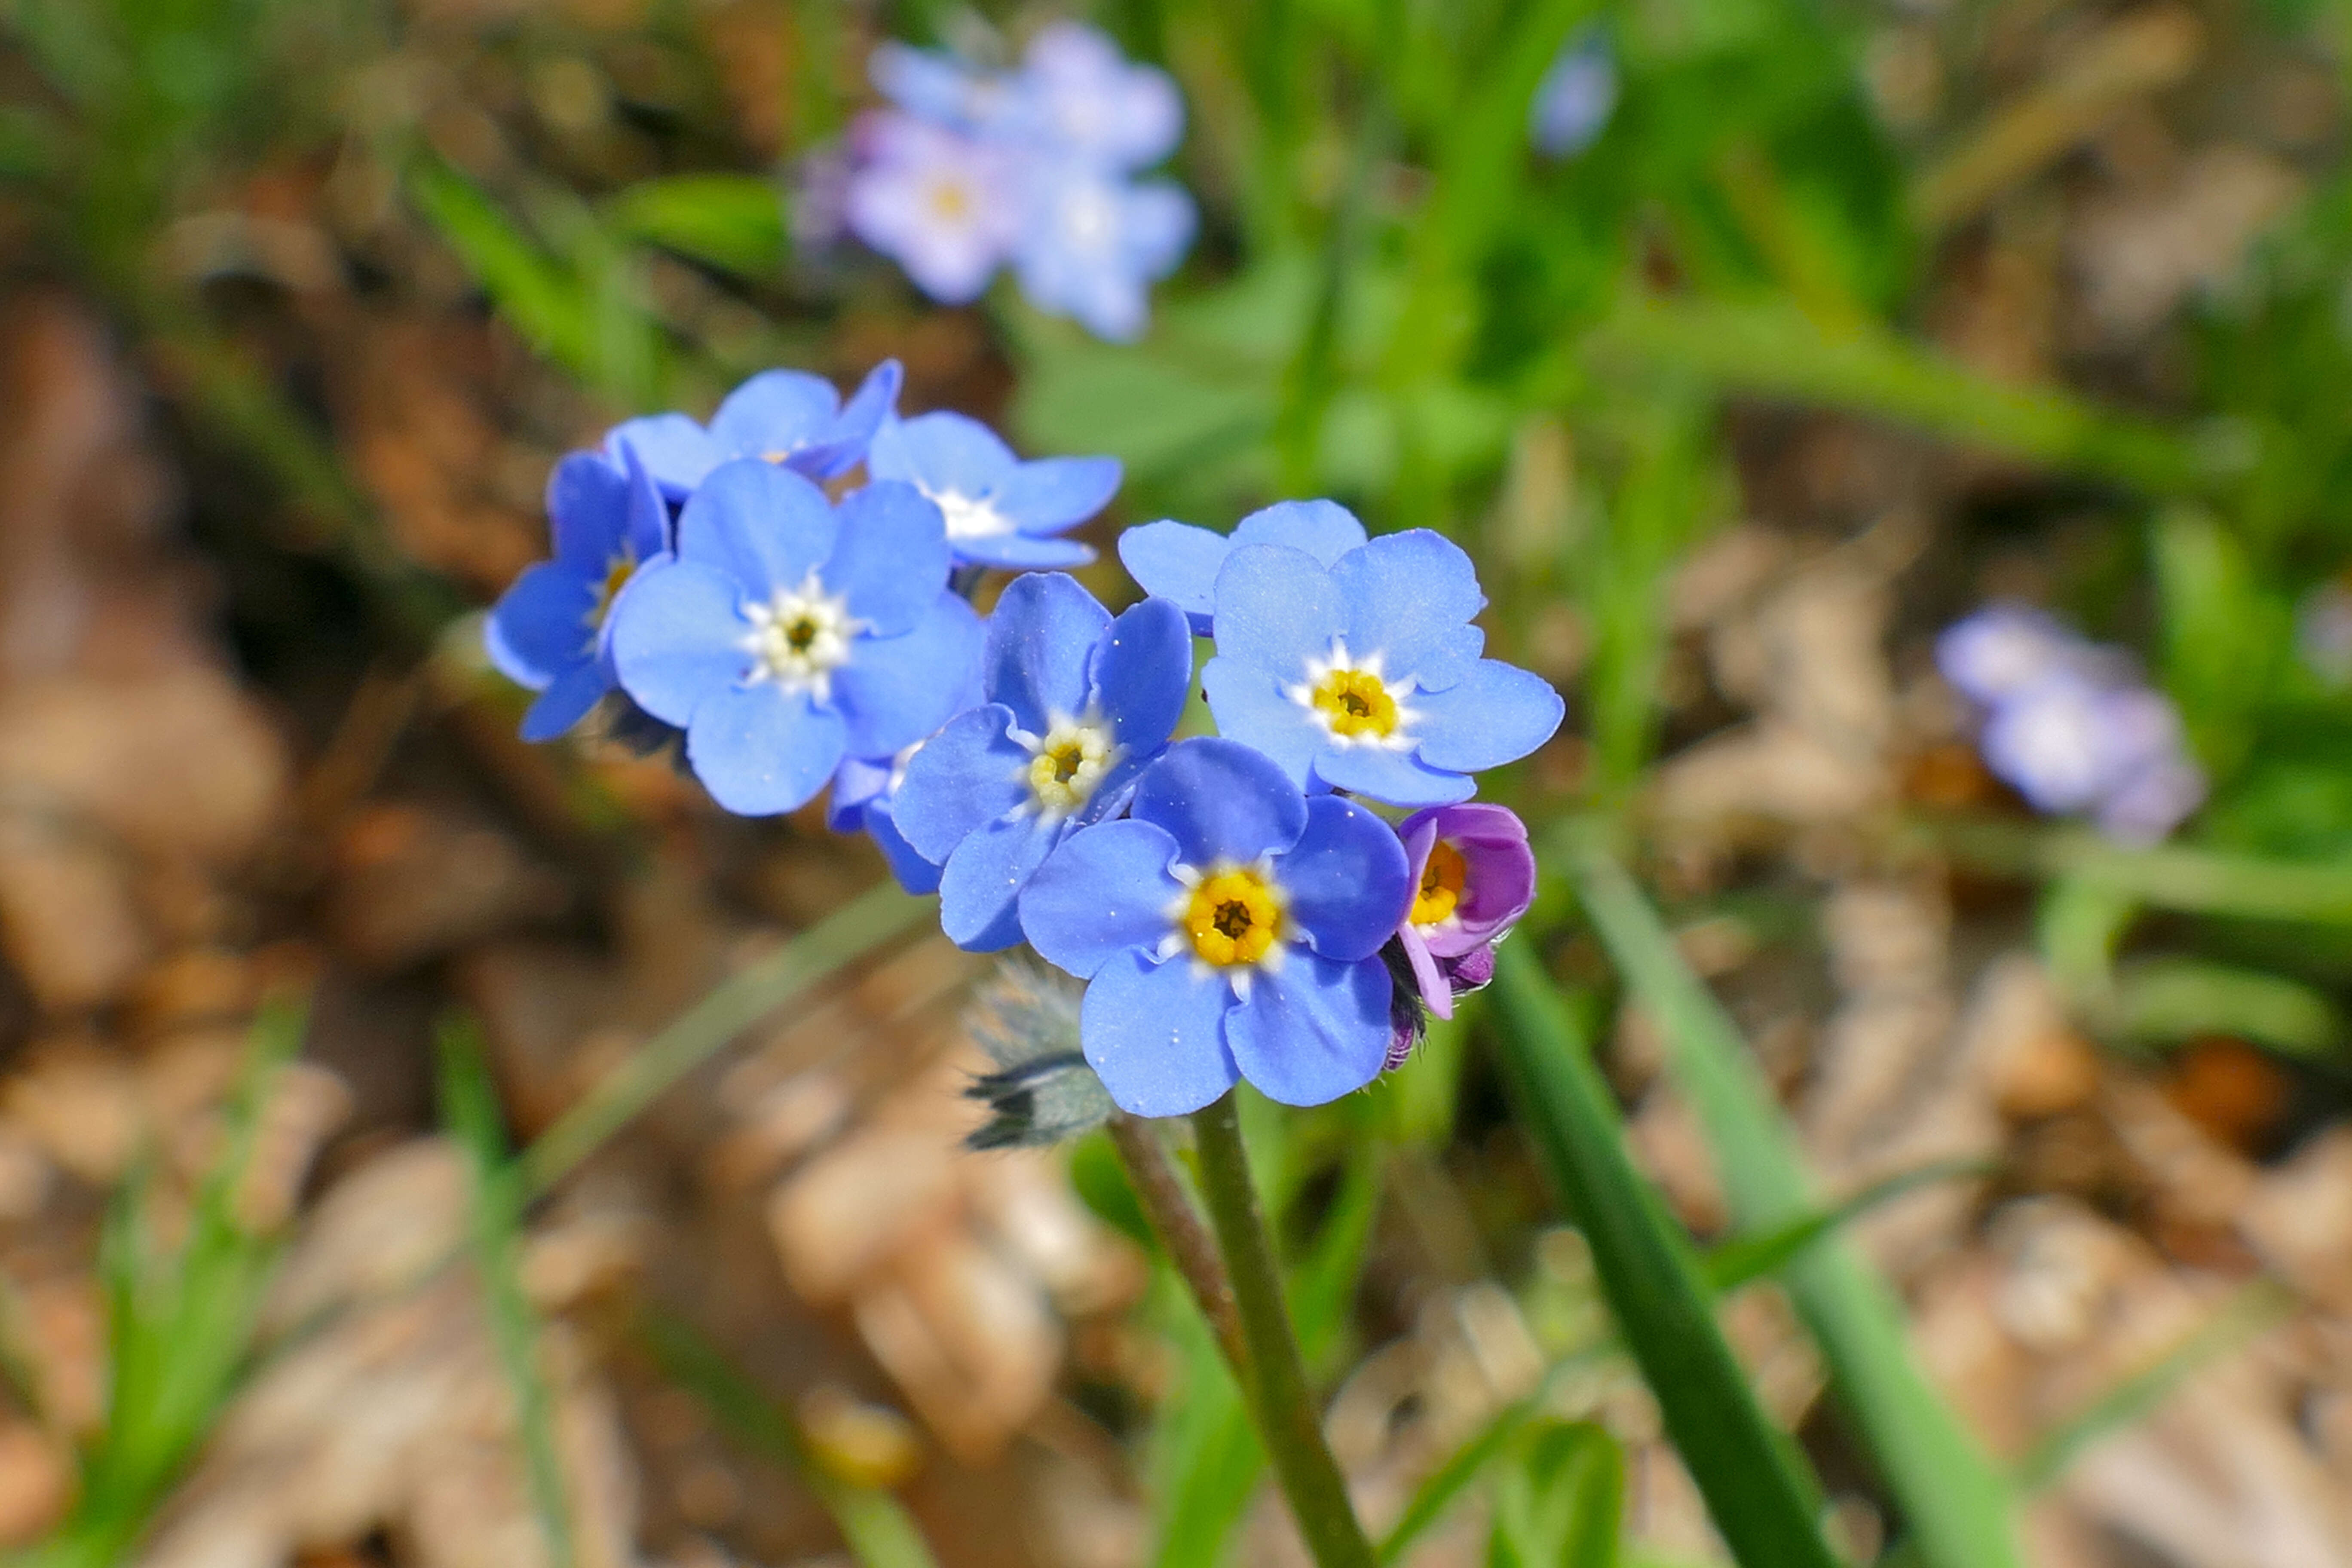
pixel 784 633
pixel 865 798
pixel 1089 103
pixel 944 207
pixel 1093 242
pixel 1365 675
pixel 1177 560
pixel 999 510
pixel 1077 703
pixel 1576 96
pixel 1230 928
pixel 548 631
pixel 786 416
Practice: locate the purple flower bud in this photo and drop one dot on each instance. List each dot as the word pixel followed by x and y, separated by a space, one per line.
pixel 1473 876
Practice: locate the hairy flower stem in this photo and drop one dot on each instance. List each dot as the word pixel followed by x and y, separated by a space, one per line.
pixel 1186 1240
pixel 1280 1401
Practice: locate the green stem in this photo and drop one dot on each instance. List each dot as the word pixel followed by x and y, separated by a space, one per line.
pixel 1191 1250
pixel 1278 1395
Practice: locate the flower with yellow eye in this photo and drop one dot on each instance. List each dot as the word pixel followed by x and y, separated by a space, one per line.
pixel 1473 876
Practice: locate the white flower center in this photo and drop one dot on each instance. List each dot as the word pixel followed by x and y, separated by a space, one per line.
pixel 1089 221
pixel 1065 763
pixel 1354 704
pixel 969 517
pixel 799 638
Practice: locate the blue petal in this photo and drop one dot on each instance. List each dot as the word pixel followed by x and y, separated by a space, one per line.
pixel 1252 709
pixel 774 415
pixel 876 400
pixel 896 690
pixel 1221 801
pixel 647 523
pixel 940 452
pixel 1041 638
pixel 915 874
pixel 979 890
pixel 759 750
pixel 1498 714
pixel 1143 672
pixel 565 703
pixel 1324 529
pixel 1155 1035
pixel 1315 1031
pixel 857 781
pixel 967 774
pixel 587 510
pixel 1408 595
pixel 1177 562
pixel 764 526
pixel 1348 879
pixel 1277 608
pixel 1020 552
pixel 539 629
pixel 1395 777
pixel 679 453
pixel 675 637
pixel 892 558
pixel 1104 891
pixel 1055 493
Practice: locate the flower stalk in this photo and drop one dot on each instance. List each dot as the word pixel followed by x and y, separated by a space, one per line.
pixel 1190 1247
pixel 1275 1380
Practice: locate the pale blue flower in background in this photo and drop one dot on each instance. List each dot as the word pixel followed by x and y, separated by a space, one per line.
pixel 944 207
pixel 1576 96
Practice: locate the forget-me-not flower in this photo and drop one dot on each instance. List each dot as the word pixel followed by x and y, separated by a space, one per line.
pixel 1094 242
pixel 1076 704
pixel 944 207
pixel 1089 103
pixel 1365 675
pixel 1229 928
pixel 1179 562
pixel 1474 876
pixel 548 631
pixel 786 416
pixel 784 633
pixel 1576 95
pixel 999 510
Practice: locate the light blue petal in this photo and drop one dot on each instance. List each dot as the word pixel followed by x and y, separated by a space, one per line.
pixel 1020 552
pixel 764 526
pixel 1324 529
pixel 679 453
pixel 1396 777
pixel 1041 638
pixel 856 781
pixel 892 558
pixel 774 415
pixel 649 518
pixel 1250 707
pixel 1498 714
pixel 1277 608
pixel 967 774
pixel 1221 801
pixel 940 452
pixel 1155 1035
pixel 1348 879
pixel 876 400
pixel 1179 562
pixel 1055 493
pixel 914 873
pixel 1315 1031
pixel 1104 891
pixel 1143 672
pixel 674 637
pixel 568 701
pixel 1160 223
pixel 759 750
pixel 979 888
pixel 539 628
pixel 587 510
pixel 1408 595
pixel 896 690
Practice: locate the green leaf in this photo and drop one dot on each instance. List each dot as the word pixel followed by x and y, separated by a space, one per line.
pixel 1760 1502
pixel 876 1528
pixel 1958 1504
pixel 536 292
pixel 1561 1505
pixel 736 223
pixel 2225 636
pixel 1750 1259
pixel 2164 1001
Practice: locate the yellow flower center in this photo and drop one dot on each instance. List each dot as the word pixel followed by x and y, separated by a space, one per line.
pixel 1355 702
pixel 1067 764
pixel 950 202
pixel 802 632
pixel 1233 918
pixel 617 572
pixel 1442 881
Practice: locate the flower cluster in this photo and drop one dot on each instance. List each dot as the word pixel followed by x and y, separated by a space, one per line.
pixel 1264 903
pixel 2070 724
pixel 971 170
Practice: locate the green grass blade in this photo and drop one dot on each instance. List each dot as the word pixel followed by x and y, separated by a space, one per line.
pixel 876 1527
pixel 843 937
pixel 469 1105
pixel 1957 1503
pixel 734 222
pixel 2248 1313
pixel 1449 1481
pixel 2169 877
pixel 1745 1466
pixel 1748 1258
